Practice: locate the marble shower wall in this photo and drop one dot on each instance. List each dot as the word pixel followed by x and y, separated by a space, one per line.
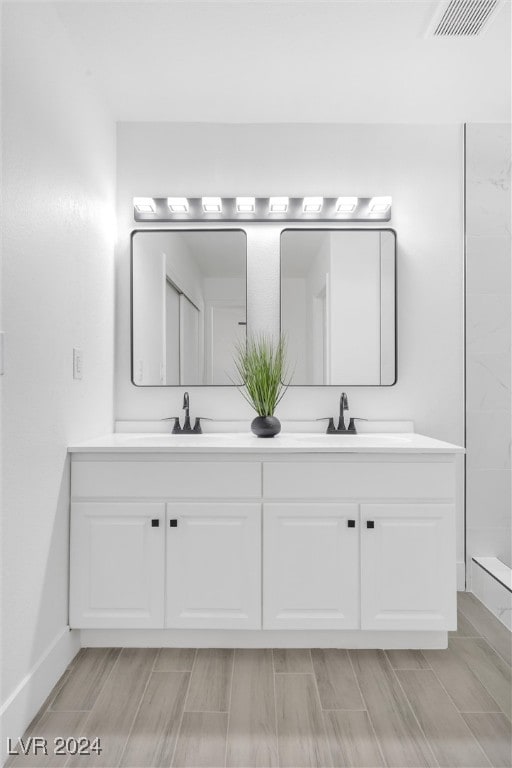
pixel 488 341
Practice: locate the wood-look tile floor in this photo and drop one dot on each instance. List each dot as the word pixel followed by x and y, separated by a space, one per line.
pixel 263 708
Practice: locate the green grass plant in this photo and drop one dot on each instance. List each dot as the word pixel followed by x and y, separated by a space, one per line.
pixel 262 367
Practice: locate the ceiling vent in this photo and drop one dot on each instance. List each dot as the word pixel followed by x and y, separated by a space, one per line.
pixel 463 18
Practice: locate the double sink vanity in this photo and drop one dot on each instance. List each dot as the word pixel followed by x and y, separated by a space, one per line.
pixel 303 540
pixel 231 540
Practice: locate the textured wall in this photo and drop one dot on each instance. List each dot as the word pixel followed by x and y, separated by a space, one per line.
pixel 488 242
pixel 57 241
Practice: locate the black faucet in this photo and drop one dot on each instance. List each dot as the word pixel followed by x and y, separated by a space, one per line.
pixel 344 430
pixel 186 407
pixel 343 407
pixel 187 428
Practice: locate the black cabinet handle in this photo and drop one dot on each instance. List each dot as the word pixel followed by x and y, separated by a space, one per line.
pixel 351 523
pixel 173 523
pixel 155 523
pixel 370 524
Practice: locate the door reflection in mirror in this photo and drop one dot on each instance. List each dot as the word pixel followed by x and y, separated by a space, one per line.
pixel 338 306
pixel 188 306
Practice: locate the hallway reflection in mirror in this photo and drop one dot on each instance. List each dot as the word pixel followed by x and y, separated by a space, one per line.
pixel 338 305
pixel 188 306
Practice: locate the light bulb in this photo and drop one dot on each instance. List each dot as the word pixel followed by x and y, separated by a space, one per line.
pixel 144 204
pixel 177 204
pixel 212 205
pixel 379 204
pixel 245 205
pixel 346 204
pixel 312 204
pixel 278 205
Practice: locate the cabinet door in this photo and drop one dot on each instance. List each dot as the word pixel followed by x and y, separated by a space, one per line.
pixel 214 565
pixel 117 565
pixel 311 566
pixel 408 566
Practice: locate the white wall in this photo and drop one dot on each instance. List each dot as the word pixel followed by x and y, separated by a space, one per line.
pixel 489 405
pixel 354 292
pixel 293 324
pixel 58 240
pixel 420 166
pixel 149 314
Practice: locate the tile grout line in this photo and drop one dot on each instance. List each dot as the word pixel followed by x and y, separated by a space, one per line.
pixel 178 730
pixel 452 700
pixel 293 673
pixel 476 737
pixel 229 707
pixel 452 634
pixel 86 721
pixel 61 682
pixel 72 664
pixel 499 710
pixel 317 689
pixel 275 707
pixel 412 709
pixel 409 669
pixel 493 649
pixel 454 706
pixel 484 636
pixel 384 761
pixel 342 709
pixel 138 708
pixel 427 741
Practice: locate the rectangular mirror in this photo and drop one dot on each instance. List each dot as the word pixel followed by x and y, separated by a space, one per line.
pixel 188 306
pixel 338 305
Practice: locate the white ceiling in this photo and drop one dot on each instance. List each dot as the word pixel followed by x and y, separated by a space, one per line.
pixel 253 61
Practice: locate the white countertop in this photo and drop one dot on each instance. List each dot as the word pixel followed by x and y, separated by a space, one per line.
pixel 246 442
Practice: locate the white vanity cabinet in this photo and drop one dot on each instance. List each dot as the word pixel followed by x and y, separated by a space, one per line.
pixel 407 570
pixel 213 565
pixel 311 566
pixel 279 542
pixel 117 564
pixel 163 563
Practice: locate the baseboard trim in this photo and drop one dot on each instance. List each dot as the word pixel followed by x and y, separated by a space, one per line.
pixel 247 638
pixel 21 706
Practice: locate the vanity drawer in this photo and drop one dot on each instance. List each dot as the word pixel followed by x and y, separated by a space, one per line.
pixel 166 479
pixel 358 480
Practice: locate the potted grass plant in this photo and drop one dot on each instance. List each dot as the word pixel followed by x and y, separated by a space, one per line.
pixel 262 368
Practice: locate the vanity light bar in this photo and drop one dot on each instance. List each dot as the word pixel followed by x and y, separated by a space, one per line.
pixel 250 208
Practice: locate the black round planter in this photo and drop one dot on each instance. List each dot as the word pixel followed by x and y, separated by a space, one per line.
pixel 266 426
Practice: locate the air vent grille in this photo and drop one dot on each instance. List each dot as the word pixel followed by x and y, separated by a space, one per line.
pixel 465 18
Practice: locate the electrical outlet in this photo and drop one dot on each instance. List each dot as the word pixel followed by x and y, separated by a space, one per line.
pixel 77 363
